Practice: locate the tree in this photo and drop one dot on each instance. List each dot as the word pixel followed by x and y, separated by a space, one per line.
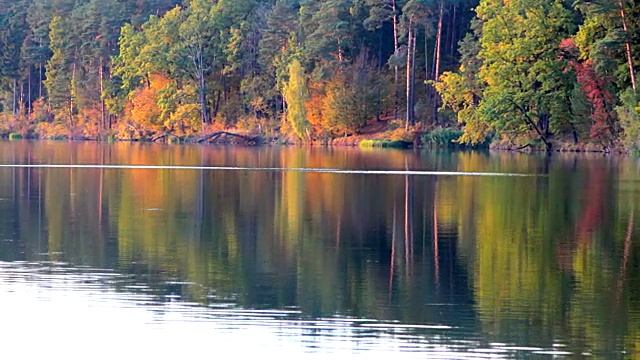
pixel 462 91
pixel 60 70
pixel 606 36
pixel 381 11
pixel 275 49
pixel 35 50
pixel 415 12
pixel 629 113
pixel 351 98
pixel 332 37
pixel 604 126
pixel 296 93
pixel 526 87
pixel 13 29
pixel 196 32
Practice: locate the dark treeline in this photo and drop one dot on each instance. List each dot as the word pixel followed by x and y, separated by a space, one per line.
pixel 524 72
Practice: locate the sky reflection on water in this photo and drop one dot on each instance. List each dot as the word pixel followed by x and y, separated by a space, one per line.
pixel 53 309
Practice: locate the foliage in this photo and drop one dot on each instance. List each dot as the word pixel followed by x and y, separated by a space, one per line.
pixel 372 143
pixel 296 94
pixel 602 37
pixel 629 113
pixel 60 72
pixel 442 137
pixel 459 93
pixel 184 120
pixel 53 131
pixel 398 131
pixel 91 63
pixel 144 111
pixel 352 98
pixel 462 91
pixel 526 89
pixel 520 87
pixel 604 125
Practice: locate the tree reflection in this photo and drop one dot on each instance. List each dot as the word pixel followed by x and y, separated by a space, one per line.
pixel 533 261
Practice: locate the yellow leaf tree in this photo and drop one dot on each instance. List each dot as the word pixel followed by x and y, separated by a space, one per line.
pixel 296 93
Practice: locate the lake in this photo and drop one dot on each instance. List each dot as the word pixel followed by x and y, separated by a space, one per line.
pixel 151 251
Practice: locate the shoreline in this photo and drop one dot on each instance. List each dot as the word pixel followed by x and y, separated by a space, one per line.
pixel 232 137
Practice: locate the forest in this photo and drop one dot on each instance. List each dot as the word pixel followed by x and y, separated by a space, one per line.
pixel 544 74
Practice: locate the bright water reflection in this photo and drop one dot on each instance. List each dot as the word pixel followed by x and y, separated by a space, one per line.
pixel 76 310
pixel 174 263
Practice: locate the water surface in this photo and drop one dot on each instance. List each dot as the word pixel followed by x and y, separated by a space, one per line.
pixel 192 250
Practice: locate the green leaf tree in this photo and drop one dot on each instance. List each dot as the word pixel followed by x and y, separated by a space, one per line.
pixel 526 88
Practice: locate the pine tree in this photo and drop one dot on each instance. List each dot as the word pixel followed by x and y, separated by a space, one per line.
pixel 60 71
pixel 13 30
pixel 331 39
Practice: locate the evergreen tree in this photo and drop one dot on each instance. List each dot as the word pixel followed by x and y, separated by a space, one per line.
pixel 276 48
pixel 60 70
pixel 13 29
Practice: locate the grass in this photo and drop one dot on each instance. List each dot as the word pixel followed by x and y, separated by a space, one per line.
pixel 397 144
pixel 442 138
pixel 15 136
pixel 448 138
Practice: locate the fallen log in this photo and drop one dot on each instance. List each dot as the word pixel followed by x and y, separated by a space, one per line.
pixel 157 137
pixel 218 134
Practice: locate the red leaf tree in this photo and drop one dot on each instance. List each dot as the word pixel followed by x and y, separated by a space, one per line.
pixel 594 88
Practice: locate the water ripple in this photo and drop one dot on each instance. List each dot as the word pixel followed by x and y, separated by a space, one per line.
pixel 78 309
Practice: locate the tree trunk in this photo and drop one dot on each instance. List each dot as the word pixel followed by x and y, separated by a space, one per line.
pixel 413 78
pixel 29 94
pixel 15 97
pixel 103 120
pixel 409 104
pixel 436 72
pixel 72 87
pixel 628 49
pixel 40 68
pixel 216 106
pixel 395 68
pixel 203 86
pixel 21 102
pixel 427 88
pixel 453 31
pixel 40 80
pixel 380 65
pixel 203 100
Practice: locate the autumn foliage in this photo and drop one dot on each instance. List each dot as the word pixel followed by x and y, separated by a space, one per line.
pixel 144 111
pixel 153 69
pixel 595 89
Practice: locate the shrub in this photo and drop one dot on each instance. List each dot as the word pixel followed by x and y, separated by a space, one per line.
pixel 448 138
pixel 396 144
pixel 53 131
